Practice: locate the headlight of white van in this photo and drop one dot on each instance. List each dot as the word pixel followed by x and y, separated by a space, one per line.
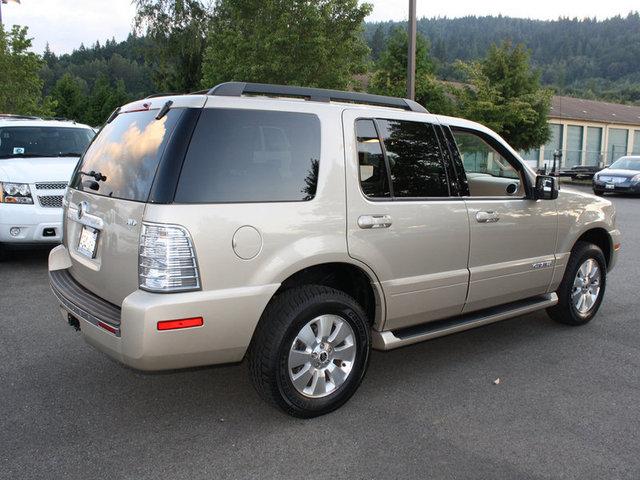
pixel 167 260
pixel 15 193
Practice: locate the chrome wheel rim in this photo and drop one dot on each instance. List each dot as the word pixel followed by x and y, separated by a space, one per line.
pixel 321 356
pixel 586 286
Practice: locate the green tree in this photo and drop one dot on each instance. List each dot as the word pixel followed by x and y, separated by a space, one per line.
pixel 295 42
pixel 119 95
pixel 71 99
pixel 390 74
pixel 377 42
pixel 178 30
pixel 20 83
pixel 504 93
pixel 104 99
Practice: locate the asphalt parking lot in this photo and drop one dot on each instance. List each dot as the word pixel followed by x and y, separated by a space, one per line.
pixel 567 405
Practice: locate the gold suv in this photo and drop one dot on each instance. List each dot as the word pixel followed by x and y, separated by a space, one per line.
pixel 300 228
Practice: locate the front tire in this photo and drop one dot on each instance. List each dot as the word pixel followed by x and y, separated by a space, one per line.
pixel 582 289
pixel 310 350
pixel 598 193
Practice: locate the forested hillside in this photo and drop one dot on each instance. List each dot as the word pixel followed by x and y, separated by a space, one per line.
pixel 115 60
pixel 596 59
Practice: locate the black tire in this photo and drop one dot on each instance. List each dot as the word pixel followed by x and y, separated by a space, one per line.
pixel 565 311
pixel 281 321
pixel 599 193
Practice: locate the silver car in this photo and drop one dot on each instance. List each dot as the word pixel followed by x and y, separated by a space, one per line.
pixel 300 228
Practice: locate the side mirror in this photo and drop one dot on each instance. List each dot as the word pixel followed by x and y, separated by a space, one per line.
pixel 546 187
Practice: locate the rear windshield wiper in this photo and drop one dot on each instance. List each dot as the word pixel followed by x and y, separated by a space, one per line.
pixel 96 175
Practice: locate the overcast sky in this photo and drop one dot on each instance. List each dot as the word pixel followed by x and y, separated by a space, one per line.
pixel 67 23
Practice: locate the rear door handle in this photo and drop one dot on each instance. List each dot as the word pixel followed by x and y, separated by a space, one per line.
pixel 374 221
pixel 487 217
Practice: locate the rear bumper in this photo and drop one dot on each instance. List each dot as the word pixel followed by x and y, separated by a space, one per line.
pixel 230 317
pixel 33 221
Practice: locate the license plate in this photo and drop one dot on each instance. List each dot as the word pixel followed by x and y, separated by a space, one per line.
pixel 88 241
pixel 609 186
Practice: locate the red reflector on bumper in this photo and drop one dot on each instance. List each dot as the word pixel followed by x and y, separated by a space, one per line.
pixel 108 327
pixel 183 323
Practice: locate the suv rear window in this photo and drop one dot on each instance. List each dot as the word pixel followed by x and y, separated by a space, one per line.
pixel 127 152
pixel 251 156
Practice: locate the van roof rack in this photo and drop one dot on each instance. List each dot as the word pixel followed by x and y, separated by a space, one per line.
pixel 237 89
pixel 35 117
pixel 19 117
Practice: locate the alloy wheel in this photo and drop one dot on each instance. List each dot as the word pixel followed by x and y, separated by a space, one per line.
pixel 321 356
pixel 586 286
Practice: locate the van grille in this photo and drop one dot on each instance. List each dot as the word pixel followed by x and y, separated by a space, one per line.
pixel 50 201
pixel 51 186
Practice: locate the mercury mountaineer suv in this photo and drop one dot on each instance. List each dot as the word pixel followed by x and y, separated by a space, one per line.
pixel 299 228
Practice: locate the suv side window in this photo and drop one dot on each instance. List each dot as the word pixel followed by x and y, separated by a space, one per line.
pixel 480 157
pixel 414 158
pixel 488 172
pixel 400 159
pixel 374 178
pixel 238 155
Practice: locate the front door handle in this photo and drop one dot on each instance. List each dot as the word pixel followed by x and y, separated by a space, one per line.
pixel 374 221
pixel 487 217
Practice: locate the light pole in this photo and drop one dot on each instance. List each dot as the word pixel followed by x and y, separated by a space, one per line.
pixel 5 1
pixel 411 54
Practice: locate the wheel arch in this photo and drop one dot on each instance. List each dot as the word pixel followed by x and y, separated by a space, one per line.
pixel 599 237
pixel 355 280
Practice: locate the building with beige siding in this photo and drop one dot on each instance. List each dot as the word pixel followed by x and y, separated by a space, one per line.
pixel 588 132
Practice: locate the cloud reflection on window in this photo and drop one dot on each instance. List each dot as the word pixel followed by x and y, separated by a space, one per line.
pixel 127 152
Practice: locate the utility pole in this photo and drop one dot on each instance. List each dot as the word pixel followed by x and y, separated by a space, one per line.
pixel 5 1
pixel 411 54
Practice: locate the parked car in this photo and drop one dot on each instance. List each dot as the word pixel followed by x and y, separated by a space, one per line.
pixel 37 158
pixel 301 232
pixel 622 176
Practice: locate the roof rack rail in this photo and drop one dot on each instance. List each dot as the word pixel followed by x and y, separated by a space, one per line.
pixel 237 89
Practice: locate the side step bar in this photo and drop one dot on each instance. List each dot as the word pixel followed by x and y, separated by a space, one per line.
pixel 390 339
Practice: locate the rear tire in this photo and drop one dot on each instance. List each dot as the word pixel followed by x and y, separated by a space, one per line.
pixel 582 289
pixel 310 350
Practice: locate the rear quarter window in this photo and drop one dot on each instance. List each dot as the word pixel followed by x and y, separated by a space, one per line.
pixel 251 156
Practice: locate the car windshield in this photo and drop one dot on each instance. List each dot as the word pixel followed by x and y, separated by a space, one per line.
pixel 626 163
pixel 44 141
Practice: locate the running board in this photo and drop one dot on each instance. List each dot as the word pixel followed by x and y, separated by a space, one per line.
pixel 390 339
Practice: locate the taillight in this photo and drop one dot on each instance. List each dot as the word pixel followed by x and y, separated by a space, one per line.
pixel 167 260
